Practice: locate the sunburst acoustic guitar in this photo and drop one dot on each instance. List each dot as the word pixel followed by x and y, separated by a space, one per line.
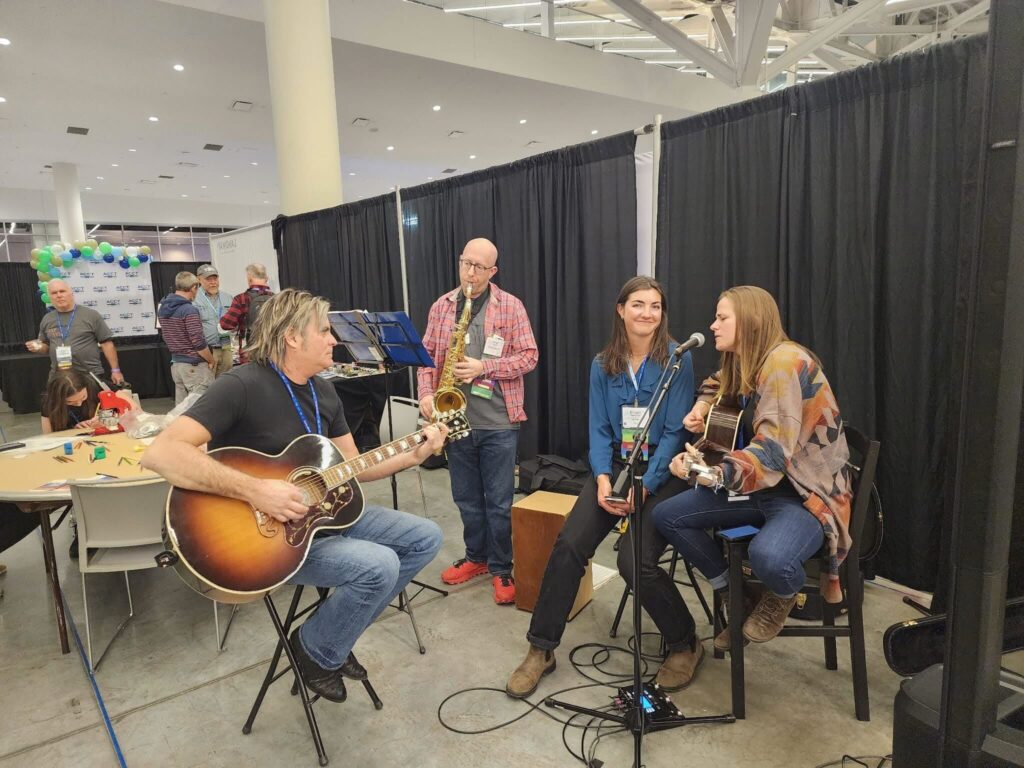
pixel 232 552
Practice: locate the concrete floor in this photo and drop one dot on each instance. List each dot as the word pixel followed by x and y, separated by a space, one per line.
pixel 173 700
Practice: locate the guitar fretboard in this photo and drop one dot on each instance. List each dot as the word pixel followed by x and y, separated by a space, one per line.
pixel 342 473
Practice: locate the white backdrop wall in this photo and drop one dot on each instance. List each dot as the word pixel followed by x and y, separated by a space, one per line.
pixel 234 250
pixel 124 297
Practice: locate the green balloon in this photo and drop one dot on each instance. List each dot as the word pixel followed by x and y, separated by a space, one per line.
pixel 134 261
pixel 44 258
pixel 46 299
pixel 87 251
pixel 105 248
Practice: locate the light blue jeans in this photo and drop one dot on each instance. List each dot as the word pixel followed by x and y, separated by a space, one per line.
pixel 368 565
pixel 789 535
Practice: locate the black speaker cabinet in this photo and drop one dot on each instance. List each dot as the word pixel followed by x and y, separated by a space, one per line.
pixel 915 727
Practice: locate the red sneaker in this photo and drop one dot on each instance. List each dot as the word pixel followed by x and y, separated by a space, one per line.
pixel 463 570
pixel 504 590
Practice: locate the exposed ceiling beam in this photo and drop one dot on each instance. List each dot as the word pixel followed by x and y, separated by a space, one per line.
pixel 950 26
pixel 830 60
pixel 700 55
pixel 724 33
pixel 855 51
pixel 754 19
pixel 821 36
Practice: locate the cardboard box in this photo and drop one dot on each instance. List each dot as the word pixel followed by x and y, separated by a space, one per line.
pixel 536 523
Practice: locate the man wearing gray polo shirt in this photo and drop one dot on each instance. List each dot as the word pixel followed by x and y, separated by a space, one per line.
pixel 212 307
pixel 73 336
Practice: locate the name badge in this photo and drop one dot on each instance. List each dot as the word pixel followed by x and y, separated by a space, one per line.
pixel 63 353
pixel 494 345
pixel 634 419
pixel 482 388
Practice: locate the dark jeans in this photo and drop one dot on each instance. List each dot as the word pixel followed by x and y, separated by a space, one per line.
pixel 15 525
pixel 790 535
pixel 585 528
pixel 482 467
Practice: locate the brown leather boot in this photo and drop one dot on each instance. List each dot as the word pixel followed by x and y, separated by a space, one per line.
pixel 751 596
pixel 768 618
pixel 526 678
pixel 679 668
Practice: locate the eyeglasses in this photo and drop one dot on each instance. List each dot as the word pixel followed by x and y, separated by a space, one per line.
pixel 466 264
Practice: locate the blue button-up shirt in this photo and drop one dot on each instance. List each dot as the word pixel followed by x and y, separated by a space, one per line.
pixel 211 310
pixel 607 396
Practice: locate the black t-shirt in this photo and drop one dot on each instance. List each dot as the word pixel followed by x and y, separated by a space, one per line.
pixel 249 407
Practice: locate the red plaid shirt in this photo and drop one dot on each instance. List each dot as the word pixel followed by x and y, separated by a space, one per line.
pixel 505 316
pixel 234 318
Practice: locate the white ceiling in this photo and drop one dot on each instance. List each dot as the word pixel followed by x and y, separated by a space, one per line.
pixel 107 65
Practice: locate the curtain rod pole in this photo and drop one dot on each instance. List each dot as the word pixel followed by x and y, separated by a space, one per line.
pixel 655 180
pixel 405 274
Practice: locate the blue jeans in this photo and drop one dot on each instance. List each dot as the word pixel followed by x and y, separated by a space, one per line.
pixel 482 468
pixel 369 564
pixel 790 535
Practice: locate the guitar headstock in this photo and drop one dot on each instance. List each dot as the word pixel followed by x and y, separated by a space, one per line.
pixel 458 425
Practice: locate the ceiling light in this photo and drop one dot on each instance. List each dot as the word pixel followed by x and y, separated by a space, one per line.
pixel 523 121
pixel 430 178
pixel 99 178
pixel 467 8
pixel 675 62
pixel 113 165
pixel 226 176
pixel 390 149
pixel 131 150
pixel 183 194
pixel 179 68
pixel 609 37
pixel 266 202
pixel 638 50
pixel 89 189
pixel 2 99
pixel 351 173
pixel 593 132
pixel 472 157
pixel 253 163
pixel 154 119
pixel 437 107
pixel 203 187
pixel 4 41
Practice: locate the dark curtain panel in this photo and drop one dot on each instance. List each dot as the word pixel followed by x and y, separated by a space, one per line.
pixel 161 274
pixel 349 254
pixel 565 226
pixel 844 200
pixel 21 310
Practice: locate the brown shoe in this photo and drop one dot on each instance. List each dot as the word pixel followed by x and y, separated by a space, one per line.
pixel 526 678
pixel 751 596
pixel 679 668
pixel 768 618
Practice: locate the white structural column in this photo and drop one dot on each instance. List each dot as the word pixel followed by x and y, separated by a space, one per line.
pixel 302 97
pixel 69 202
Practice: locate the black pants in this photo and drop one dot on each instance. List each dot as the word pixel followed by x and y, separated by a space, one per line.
pixel 585 528
pixel 15 524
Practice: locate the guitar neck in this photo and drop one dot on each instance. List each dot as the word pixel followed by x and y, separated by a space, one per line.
pixel 341 473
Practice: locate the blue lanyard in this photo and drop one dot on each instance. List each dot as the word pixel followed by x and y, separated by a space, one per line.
pixel 295 400
pixel 65 331
pixel 637 378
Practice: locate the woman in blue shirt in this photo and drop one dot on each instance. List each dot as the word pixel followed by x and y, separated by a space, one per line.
pixel 624 379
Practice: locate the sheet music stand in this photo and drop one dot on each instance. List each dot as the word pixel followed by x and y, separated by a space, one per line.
pixel 388 339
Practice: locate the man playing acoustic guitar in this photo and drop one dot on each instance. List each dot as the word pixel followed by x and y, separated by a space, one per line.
pixel 264 406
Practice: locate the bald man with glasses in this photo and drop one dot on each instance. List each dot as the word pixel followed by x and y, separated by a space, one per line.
pixel 500 350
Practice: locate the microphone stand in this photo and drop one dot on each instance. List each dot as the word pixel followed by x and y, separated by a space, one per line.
pixel 635 717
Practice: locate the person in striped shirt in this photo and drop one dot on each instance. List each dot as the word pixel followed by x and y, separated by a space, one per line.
pixel 192 362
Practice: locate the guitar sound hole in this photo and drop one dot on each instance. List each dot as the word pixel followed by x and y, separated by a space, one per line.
pixel 312 485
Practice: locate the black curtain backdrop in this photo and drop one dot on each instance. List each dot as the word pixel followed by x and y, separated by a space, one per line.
pixel 565 226
pixel 844 199
pixel 348 254
pixel 20 310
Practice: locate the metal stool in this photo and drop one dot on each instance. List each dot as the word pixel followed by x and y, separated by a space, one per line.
pixel 299 685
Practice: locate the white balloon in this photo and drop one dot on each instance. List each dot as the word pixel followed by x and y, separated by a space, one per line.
pixel 131 250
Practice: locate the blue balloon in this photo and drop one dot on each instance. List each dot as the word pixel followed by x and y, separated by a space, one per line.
pixel 108 257
pixel 55 271
pixel 123 263
pixel 75 253
pixel 143 258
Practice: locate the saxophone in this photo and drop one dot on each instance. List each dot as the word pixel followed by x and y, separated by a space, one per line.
pixel 447 397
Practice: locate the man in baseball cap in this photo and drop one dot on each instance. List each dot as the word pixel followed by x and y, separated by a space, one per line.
pixel 210 303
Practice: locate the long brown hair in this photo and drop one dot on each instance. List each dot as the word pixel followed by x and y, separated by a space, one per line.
pixel 615 355
pixel 758 332
pixel 61 386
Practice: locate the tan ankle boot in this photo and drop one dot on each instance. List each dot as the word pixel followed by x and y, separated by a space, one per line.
pixel 768 618
pixel 526 678
pixel 751 596
pixel 679 669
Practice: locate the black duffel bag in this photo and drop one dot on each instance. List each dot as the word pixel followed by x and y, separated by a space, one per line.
pixel 552 473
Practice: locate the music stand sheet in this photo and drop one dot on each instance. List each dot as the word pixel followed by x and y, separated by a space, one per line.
pixel 379 337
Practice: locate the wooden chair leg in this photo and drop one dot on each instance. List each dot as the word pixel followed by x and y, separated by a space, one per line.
pixel 858 660
pixel 736 619
pixel 828 619
pixel 719 621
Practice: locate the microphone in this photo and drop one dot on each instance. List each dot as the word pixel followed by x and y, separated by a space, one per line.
pixel 696 340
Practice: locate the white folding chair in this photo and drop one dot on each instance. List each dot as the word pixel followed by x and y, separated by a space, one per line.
pixel 120 529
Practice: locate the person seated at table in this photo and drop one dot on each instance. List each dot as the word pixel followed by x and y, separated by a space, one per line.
pixel 70 400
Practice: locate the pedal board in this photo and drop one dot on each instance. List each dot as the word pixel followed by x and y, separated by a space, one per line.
pixel 656 703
